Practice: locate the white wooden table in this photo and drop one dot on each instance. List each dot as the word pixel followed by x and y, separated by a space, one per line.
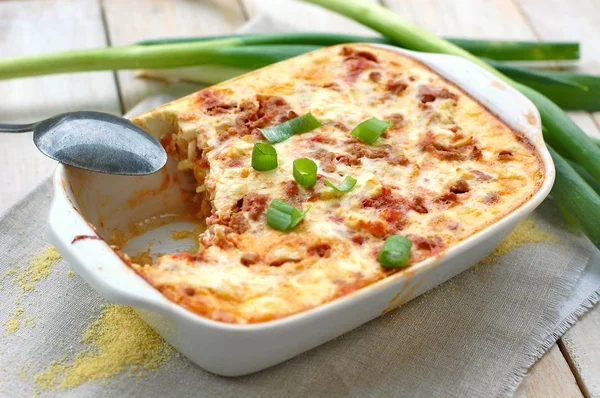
pixel 570 369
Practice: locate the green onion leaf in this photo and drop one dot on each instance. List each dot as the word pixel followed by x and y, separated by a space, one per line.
pixel 571 91
pixel 501 50
pixel 305 172
pixel 537 76
pixel 370 130
pixel 576 200
pixel 264 157
pixel 299 125
pixel 585 175
pixel 346 185
pixel 395 251
pixel 282 216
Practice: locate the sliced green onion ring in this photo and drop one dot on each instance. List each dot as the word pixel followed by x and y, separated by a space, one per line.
pixel 370 130
pixel 299 125
pixel 305 172
pixel 395 252
pixel 282 216
pixel 264 157
pixel 346 185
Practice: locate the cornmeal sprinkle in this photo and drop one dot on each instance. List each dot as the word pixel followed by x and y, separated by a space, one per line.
pixel 525 232
pixel 118 340
pixel 14 323
pixel 39 268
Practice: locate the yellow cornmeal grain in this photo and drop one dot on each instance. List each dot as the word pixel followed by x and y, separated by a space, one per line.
pixel 70 274
pixel 118 340
pixel 525 232
pixel 38 268
pixel 14 323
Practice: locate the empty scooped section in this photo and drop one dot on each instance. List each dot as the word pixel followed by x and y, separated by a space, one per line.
pixel 122 207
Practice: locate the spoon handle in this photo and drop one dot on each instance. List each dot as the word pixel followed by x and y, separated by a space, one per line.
pixel 16 128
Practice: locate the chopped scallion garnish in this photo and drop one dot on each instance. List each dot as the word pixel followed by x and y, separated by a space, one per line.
pixel 370 130
pixel 299 125
pixel 264 157
pixel 346 185
pixel 305 172
pixel 282 216
pixel 395 252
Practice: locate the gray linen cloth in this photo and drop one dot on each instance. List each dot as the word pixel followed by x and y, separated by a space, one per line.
pixel 475 335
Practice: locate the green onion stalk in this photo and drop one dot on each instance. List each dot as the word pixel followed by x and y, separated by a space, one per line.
pixel 227 52
pixel 560 130
pixel 192 51
pixel 576 199
pixel 499 50
pixel 570 91
pixel 213 59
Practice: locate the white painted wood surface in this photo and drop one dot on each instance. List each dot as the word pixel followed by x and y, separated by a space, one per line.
pixel 30 26
pixel 491 19
pixel 159 19
pixel 579 21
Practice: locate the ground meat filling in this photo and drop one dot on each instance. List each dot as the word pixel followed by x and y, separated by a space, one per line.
pixel 238 223
pixel 505 155
pixel 396 121
pixel 357 150
pixel 326 160
pixel 431 93
pixel 396 86
pixel 254 204
pixel 272 111
pixel 249 258
pixel 356 62
pixel 391 208
pixel 491 198
pixel 460 150
pixel 212 103
pixel 294 196
pixel 321 250
pixel 426 246
pixel 459 187
pixel 418 205
pixel 375 76
pixel 447 200
pixel 266 111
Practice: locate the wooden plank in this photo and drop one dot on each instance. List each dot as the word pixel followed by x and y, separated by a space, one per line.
pixel 549 378
pixel 492 19
pixel 582 348
pixel 157 19
pixel 579 21
pixel 31 27
pixel 297 16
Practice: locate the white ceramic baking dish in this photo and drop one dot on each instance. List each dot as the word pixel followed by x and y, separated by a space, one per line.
pixel 87 204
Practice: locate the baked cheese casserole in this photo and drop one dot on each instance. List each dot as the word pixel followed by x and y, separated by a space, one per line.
pixel 442 168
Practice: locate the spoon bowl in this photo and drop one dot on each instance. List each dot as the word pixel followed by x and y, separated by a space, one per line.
pixel 96 141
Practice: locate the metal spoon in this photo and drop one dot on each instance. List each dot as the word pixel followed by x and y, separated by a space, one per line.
pixel 95 141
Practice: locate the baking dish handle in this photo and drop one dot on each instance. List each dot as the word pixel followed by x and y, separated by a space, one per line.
pixel 93 259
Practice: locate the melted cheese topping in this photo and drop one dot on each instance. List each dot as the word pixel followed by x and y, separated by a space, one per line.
pixel 445 169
